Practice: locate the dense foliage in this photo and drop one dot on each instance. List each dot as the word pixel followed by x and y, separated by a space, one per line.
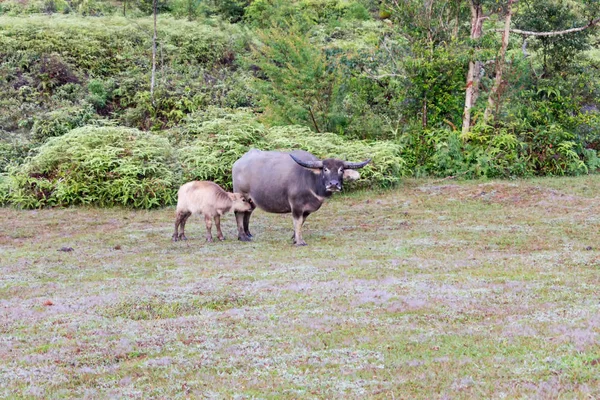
pixel 97 165
pixel 109 166
pixel 346 78
pixel 215 144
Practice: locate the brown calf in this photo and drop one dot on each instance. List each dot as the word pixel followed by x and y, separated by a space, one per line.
pixel 210 200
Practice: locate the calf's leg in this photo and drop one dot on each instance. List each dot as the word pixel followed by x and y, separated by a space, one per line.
pixel 180 219
pixel 218 225
pixel 184 219
pixel 208 222
pixel 175 236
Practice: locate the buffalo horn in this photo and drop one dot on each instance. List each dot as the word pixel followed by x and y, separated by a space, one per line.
pixel 355 165
pixel 308 164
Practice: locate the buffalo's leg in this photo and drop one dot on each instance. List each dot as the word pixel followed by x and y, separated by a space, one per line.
pixel 247 215
pixel 180 221
pixel 239 219
pixel 208 222
pixel 218 225
pixel 299 217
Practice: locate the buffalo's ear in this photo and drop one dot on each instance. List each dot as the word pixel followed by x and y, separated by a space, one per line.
pixel 351 175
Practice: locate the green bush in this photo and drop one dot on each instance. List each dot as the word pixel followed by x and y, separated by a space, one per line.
pixel 385 170
pixel 210 142
pixel 109 166
pixel 59 122
pixel 506 151
pixel 104 166
pixel 13 151
pixel 99 93
pixel 4 189
pixel 485 153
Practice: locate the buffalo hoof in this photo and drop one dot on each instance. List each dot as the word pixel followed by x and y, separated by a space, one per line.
pixel 249 235
pixel 221 238
pixel 244 238
pixel 209 239
pixel 182 237
pixel 300 243
pixel 175 238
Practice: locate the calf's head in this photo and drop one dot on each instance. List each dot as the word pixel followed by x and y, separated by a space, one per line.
pixel 239 202
pixel 333 171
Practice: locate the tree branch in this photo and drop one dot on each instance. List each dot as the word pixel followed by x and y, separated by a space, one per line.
pixel 554 33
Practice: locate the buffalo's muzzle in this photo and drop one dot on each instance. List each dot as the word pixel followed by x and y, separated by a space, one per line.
pixel 333 187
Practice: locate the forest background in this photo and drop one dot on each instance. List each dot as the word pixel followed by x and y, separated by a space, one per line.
pixel 102 104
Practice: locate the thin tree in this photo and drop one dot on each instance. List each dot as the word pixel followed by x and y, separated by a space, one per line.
pixel 473 75
pixel 153 77
pixel 499 64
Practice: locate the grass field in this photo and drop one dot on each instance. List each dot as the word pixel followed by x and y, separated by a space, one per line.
pixel 433 290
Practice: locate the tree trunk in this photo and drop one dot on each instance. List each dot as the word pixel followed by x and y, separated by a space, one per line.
pixel 494 94
pixel 472 89
pixel 457 21
pixel 153 77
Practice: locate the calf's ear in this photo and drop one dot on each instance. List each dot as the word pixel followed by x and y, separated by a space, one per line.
pixel 351 175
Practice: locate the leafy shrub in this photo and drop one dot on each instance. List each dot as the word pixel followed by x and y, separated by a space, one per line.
pixel 172 103
pixel 385 170
pixel 59 122
pixel 306 13
pixel 210 142
pixel 232 10
pixel 13 151
pixel 104 166
pixel 100 93
pixel 506 151
pixel 52 72
pixel 553 151
pixel 4 189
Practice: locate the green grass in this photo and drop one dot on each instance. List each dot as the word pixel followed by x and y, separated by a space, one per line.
pixel 435 289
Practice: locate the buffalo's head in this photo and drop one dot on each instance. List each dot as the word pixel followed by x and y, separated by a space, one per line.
pixel 333 172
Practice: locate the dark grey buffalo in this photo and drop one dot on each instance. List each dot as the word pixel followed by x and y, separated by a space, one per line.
pixel 296 182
